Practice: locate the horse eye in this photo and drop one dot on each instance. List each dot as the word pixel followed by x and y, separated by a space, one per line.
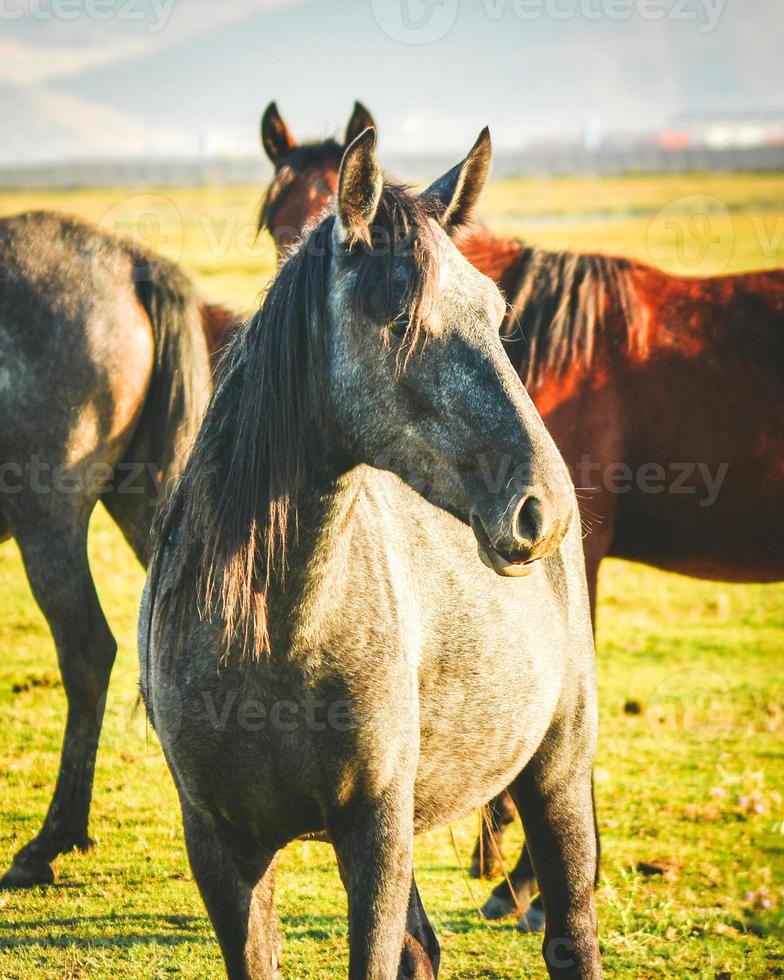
pixel 399 326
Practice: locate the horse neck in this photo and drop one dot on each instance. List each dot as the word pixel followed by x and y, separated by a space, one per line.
pixel 317 555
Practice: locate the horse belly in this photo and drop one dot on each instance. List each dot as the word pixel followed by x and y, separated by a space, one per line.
pixel 731 531
pixel 703 488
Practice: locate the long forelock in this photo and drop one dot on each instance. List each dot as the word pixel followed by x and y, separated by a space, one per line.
pixel 401 229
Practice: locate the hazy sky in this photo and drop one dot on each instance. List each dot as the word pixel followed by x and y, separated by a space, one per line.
pixel 81 78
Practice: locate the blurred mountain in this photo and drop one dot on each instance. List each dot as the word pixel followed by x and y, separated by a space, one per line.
pixel 194 76
pixel 41 124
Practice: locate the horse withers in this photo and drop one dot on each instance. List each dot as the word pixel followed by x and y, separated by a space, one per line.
pixel 318 573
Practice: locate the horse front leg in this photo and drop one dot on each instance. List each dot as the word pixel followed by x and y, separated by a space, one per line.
pixel 374 844
pixel 555 799
pixel 238 892
pixel 55 559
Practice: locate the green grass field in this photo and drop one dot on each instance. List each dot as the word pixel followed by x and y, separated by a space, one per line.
pixel 692 781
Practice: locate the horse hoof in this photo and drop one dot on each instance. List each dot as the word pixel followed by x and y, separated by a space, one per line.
pixel 499 906
pixel 532 921
pixel 27 874
pixel 84 844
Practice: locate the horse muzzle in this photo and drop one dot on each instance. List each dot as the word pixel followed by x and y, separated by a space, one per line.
pixel 529 528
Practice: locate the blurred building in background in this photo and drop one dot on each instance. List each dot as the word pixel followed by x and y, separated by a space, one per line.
pixel 725 132
pixel 693 142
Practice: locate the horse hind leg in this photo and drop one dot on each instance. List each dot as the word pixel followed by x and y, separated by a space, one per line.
pixel 55 559
pixel 238 895
pixel 499 813
pixel 515 895
pixel 421 951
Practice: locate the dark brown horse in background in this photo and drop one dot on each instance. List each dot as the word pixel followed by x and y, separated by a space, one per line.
pixel 104 373
pixel 665 396
pixel 306 174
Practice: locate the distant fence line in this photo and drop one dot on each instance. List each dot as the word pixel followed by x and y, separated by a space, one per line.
pixel 253 170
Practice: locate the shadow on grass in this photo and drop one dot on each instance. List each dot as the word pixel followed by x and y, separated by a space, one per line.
pixel 470 922
pixel 313 926
pixel 135 930
pixel 139 929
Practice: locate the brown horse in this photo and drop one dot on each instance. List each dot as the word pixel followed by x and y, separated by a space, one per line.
pixel 305 177
pixel 104 371
pixel 665 395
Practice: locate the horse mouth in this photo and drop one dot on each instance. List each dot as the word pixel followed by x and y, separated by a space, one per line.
pixel 496 561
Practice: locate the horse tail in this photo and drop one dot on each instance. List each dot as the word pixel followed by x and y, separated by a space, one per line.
pixel 180 386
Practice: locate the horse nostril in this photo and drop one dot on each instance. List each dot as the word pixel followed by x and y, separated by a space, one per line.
pixel 529 521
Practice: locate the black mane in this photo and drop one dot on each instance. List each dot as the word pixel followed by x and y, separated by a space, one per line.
pixel 560 306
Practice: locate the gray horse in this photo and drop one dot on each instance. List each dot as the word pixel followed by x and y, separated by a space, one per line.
pixel 104 376
pixel 322 650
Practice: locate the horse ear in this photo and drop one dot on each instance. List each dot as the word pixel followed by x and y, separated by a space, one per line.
pixel 359 122
pixel 454 196
pixel 276 136
pixel 359 189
